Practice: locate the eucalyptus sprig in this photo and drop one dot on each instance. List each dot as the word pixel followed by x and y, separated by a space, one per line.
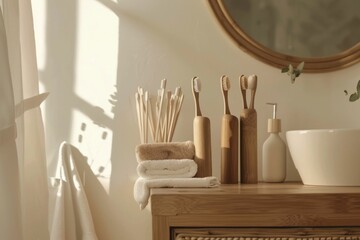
pixel 293 72
pixel 356 95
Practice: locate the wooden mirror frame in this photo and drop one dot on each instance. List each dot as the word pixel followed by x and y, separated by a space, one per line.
pixel 279 60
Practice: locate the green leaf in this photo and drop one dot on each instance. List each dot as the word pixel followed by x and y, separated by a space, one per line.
pixel 353 97
pixel 358 86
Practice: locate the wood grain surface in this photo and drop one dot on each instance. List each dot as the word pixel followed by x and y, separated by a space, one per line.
pixel 248 146
pixel 229 149
pixel 202 142
pixel 285 205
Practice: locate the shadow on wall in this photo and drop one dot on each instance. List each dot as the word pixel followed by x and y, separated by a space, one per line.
pixel 98 120
pixel 59 76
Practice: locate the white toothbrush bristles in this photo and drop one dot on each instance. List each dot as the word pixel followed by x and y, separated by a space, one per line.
pixel 197 85
pixel 252 82
pixel 243 82
pixel 225 81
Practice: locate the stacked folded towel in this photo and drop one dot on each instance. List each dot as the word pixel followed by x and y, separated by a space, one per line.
pixel 171 168
pixel 166 165
pixel 161 151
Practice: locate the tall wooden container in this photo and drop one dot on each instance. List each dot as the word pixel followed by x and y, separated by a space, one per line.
pixel 248 146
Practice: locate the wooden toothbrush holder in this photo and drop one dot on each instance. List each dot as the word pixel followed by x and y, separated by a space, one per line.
pixel 248 146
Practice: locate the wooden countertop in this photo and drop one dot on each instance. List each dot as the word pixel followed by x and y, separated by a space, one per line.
pixel 263 204
pixel 257 189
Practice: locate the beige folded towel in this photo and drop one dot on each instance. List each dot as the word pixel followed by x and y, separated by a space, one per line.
pixel 179 168
pixel 161 151
pixel 142 186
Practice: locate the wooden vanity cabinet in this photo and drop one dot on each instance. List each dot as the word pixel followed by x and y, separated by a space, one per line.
pixel 256 211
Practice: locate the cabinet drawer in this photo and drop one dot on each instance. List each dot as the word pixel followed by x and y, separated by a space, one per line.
pixel 347 233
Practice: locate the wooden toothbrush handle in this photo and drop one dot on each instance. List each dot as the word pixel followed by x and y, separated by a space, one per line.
pixel 252 103
pixel 202 142
pixel 197 105
pixel 243 93
pixel 248 146
pixel 229 150
pixel 226 103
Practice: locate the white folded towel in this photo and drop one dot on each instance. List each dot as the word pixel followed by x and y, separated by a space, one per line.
pixel 142 186
pixel 172 168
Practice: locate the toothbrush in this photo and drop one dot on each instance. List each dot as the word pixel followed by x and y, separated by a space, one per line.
pixel 248 132
pixel 202 135
pixel 225 87
pixel 229 139
pixel 196 88
pixel 252 84
pixel 248 83
pixel 243 87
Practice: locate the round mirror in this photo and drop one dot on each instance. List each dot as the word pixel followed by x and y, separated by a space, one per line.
pixel 325 34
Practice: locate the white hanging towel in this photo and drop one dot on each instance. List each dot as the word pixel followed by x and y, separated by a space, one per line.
pixel 71 218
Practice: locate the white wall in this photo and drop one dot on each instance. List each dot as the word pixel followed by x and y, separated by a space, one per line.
pixel 93 54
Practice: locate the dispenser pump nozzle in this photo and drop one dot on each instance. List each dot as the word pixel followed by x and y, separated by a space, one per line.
pixel 274 109
pixel 274 124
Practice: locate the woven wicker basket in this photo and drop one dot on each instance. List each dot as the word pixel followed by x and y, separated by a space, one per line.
pixel 232 237
pixel 347 233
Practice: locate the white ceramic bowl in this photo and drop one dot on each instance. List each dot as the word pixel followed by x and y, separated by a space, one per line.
pixel 326 157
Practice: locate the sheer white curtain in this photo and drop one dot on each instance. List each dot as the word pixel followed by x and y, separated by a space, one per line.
pixel 10 215
pixel 26 183
pixel 24 189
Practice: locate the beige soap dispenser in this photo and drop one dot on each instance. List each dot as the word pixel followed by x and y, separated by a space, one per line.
pixel 274 152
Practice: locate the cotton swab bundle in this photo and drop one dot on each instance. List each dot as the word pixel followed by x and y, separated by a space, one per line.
pixel 179 100
pixel 141 113
pixel 167 109
pixel 146 117
pixel 158 125
pixel 167 117
pixel 151 119
pixel 137 99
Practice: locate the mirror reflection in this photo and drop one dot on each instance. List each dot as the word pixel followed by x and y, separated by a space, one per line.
pixel 317 28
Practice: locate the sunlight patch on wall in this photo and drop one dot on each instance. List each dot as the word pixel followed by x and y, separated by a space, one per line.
pixel 39 7
pixel 97 55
